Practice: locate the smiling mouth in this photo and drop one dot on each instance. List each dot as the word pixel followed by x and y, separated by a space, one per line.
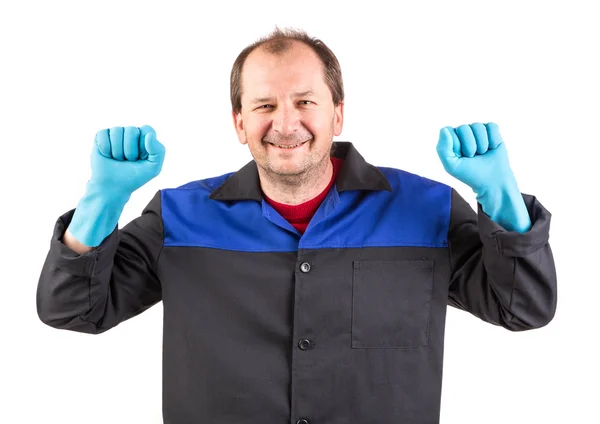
pixel 288 146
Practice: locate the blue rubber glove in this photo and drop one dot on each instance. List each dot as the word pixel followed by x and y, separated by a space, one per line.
pixel 123 160
pixel 476 155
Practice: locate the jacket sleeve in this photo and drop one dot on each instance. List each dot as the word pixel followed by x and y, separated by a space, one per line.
pixel 503 277
pixel 95 291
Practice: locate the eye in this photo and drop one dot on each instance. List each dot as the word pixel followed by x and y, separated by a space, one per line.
pixel 306 102
pixel 264 107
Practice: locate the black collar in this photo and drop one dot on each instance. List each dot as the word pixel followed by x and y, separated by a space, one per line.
pixel 356 174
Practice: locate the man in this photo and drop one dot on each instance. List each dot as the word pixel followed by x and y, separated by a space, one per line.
pixel 309 286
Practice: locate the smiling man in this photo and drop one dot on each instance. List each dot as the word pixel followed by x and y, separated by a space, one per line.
pixel 288 118
pixel 309 286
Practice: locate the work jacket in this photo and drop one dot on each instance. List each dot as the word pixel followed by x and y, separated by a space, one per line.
pixel 342 324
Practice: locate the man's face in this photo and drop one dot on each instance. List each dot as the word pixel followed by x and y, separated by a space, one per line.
pixel 288 118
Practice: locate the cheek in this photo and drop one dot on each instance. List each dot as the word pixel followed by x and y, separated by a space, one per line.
pixel 318 124
pixel 258 128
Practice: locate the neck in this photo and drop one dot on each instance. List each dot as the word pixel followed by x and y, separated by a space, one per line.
pixel 299 188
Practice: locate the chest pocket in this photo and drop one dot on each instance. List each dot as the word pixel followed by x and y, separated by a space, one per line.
pixel 391 303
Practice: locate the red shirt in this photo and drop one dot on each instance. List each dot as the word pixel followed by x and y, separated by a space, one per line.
pixel 300 215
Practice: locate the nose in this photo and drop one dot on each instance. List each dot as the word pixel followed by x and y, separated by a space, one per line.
pixel 286 119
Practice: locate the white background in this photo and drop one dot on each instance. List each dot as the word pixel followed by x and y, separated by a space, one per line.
pixel 69 69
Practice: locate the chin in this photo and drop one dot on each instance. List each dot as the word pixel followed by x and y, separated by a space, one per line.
pixel 287 169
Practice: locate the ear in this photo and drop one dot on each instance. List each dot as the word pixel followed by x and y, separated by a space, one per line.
pixel 238 123
pixel 338 118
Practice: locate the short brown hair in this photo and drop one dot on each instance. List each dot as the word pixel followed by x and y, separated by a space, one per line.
pixel 278 42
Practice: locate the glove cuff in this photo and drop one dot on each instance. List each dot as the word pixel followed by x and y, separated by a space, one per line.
pixel 505 206
pixel 96 215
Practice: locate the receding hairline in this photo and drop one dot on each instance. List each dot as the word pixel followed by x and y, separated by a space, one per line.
pixel 280 48
pixel 279 42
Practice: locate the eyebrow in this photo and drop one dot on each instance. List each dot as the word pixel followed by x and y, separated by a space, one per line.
pixel 297 94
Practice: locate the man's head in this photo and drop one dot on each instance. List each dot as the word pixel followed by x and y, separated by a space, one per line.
pixel 287 101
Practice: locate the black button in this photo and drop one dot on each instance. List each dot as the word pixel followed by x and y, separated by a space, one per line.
pixel 302 421
pixel 305 267
pixel 305 344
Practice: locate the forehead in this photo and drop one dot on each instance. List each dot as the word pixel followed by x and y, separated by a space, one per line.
pixel 297 68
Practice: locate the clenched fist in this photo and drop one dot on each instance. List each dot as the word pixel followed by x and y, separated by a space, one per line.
pixel 123 160
pixel 476 155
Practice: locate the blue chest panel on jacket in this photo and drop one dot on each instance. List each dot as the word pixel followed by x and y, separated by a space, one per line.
pixel 415 213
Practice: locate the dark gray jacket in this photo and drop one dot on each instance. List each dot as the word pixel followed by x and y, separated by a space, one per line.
pixel 344 324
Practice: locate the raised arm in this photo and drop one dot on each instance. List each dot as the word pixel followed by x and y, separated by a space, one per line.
pixel 95 275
